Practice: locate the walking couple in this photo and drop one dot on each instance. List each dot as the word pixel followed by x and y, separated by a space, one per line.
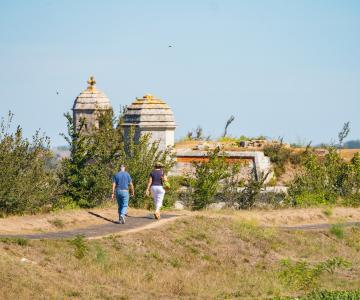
pixel 122 182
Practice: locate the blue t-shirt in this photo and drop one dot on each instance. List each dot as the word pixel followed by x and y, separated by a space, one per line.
pixel 122 180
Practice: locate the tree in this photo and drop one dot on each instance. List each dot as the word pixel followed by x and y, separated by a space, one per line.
pixel 26 185
pixel 228 122
pixel 343 133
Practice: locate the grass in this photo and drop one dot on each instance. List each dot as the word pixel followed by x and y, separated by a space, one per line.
pixel 337 230
pixel 58 223
pixel 327 212
pixel 200 257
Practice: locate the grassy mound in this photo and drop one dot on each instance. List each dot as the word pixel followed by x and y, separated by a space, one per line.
pixel 194 258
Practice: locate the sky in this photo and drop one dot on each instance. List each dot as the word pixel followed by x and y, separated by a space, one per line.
pixel 283 68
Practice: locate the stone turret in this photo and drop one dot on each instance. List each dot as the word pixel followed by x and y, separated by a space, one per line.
pixel 151 115
pixel 88 105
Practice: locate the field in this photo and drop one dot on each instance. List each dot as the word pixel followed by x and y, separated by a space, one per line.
pixel 210 255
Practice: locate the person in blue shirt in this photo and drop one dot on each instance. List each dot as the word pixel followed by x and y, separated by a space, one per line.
pixel 121 183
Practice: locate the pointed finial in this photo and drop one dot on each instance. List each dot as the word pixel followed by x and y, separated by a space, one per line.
pixel 91 83
pixel 148 96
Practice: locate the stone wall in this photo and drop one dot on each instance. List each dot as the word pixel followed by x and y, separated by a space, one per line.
pixel 255 163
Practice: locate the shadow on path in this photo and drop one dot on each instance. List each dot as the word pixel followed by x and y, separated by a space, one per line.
pixel 101 217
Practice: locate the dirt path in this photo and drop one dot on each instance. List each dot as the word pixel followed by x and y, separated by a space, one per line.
pixel 100 222
pixel 138 223
pixel 133 224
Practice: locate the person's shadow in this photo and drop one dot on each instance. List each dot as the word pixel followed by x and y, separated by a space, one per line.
pixel 115 222
pixel 101 217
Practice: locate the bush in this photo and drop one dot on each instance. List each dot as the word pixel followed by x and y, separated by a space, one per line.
pixel 80 246
pixel 280 155
pixel 324 180
pixel 207 179
pixel 337 230
pixel 326 295
pixel 26 185
pixel 302 276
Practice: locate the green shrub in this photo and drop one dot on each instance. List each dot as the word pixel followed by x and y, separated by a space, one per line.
pixel 325 295
pixel 327 212
pixel 18 241
pixel 172 195
pixel 26 184
pixel 280 155
pixel 325 180
pixel 251 192
pixel 207 179
pixel 337 230
pixel 302 276
pixel 58 223
pixel 80 246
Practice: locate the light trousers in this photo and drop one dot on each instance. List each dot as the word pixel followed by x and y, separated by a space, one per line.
pixel 158 194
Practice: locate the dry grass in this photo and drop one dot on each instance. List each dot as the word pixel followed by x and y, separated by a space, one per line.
pixel 199 257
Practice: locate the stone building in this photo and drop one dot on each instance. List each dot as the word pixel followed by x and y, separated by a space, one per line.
pixel 87 106
pixel 151 115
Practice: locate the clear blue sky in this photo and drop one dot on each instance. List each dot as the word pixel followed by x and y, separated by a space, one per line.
pixel 282 68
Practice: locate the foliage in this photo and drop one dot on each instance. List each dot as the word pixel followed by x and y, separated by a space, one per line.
pixel 228 122
pixel 337 230
pixel 251 191
pixel 207 178
pixel 96 157
pixel 343 133
pixel 58 223
pixel 280 155
pixel 218 180
pixel 324 180
pixel 80 246
pixel 16 240
pixel 172 195
pixel 302 276
pixel 326 295
pixel 86 174
pixel 26 185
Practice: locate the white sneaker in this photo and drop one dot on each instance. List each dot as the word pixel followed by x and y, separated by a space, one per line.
pixel 122 220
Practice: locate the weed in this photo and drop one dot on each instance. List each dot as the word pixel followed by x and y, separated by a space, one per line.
pixel 58 223
pixel 302 276
pixel 80 246
pixel 149 276
pixel 100 255
pixel 18 241
pixel 73 294
pixel 337 230
pixel 325 295
pixel 156 256
pixel 175 262
pixel 327 212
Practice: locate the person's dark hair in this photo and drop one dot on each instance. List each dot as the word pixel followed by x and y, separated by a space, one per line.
pixel 158 165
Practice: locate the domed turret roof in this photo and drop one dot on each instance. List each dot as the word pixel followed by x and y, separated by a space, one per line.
pixel 149 111
pixel 91 98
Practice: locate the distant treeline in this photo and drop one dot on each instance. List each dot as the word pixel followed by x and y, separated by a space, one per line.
pixel 353 144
